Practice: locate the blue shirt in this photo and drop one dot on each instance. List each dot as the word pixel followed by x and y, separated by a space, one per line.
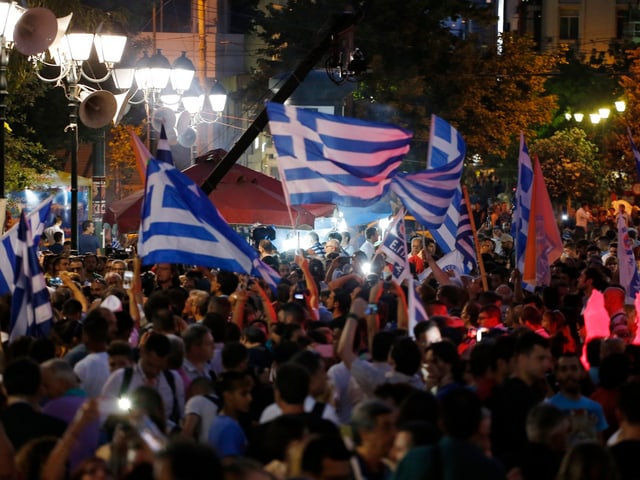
pixel 227 437
pixel 586 417
pixel 87 244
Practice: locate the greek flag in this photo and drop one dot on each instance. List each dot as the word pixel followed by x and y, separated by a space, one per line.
pixel 181 225
pixel 429 194
pixel 394 246
pixel 455 232
pixel 636 154
pixel 522 213
pixel 31 311
pixel 9 244
pixel 328 159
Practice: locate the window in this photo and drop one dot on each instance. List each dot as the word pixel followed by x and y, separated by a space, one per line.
pixel 569 27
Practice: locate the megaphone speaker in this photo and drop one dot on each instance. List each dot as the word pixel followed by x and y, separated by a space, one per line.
pixel 35 31
pixel 122 106
pixel 187 138
pixel 163 116
pixel 98 109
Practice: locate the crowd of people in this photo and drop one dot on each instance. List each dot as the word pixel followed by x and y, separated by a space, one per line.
pixel 176 372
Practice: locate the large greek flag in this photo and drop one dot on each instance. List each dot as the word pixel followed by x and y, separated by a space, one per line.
pixel 179 224
pixel 328 159
pixel 9 244
pixel 31 311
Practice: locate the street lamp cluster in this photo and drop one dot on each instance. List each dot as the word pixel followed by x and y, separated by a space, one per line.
pixel 168 89
pixel 38 34
pixel 595 117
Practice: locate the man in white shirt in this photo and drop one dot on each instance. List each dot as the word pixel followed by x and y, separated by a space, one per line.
pixel 56 227
pixel 151 371
pixel 583 217
pixel 371 236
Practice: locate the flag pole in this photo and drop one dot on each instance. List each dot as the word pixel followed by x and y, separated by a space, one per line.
pixel 472 221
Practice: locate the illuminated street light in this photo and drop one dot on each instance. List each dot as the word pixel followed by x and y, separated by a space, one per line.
pixel 604 113
pixel 620 106
pixel 595 118
pixel 578 117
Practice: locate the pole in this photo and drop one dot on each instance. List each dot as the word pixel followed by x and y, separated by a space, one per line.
pixel 73 132
pixel 472 221
pixel 202 44
pixel 4 62
pixel 341 23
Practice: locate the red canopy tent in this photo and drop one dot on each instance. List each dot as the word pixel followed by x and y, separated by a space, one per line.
pixel 244 196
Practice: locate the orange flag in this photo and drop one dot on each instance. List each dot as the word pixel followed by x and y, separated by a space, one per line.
pixel 141 153
pixel 544 244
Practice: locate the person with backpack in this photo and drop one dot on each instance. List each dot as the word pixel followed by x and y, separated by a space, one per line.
pixel 151 370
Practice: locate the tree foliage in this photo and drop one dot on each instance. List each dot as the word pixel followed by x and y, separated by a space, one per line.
pixel 571 166
pixel 124 178
pixel 423 61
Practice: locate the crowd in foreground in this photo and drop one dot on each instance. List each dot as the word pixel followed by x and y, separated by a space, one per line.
pixel 189 373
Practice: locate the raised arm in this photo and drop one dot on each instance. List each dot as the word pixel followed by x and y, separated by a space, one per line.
pixel 55 466
pixel 314 297
pixel 345 345
pixel 441 277
pixel 75 290
pixel 269 309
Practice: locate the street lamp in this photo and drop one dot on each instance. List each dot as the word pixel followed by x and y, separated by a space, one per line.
pixel 194 102
pixel 98 107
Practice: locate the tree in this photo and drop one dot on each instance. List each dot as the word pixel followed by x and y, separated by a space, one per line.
pixel 122 161
pixel 420 65
pixel 571 166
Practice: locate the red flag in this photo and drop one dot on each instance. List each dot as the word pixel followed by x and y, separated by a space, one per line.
pixel 544 244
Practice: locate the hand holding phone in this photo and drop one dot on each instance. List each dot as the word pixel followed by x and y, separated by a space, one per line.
pixel 127 279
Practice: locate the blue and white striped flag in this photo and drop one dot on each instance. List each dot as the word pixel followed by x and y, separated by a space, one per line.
pixel 394 246
pixel 181 225
pixel 636 154
pixel 9 244
pixel 328 159
pixel 417 312
pixel 524 190
pixel 428 194
pixel 31 310
pixel 455 232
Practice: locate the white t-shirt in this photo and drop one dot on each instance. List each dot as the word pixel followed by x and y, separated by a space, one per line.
pixel 347 391
pixel 204 408
pixel 93 372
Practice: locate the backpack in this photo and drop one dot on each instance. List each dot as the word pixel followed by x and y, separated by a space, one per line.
pixel 175 409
